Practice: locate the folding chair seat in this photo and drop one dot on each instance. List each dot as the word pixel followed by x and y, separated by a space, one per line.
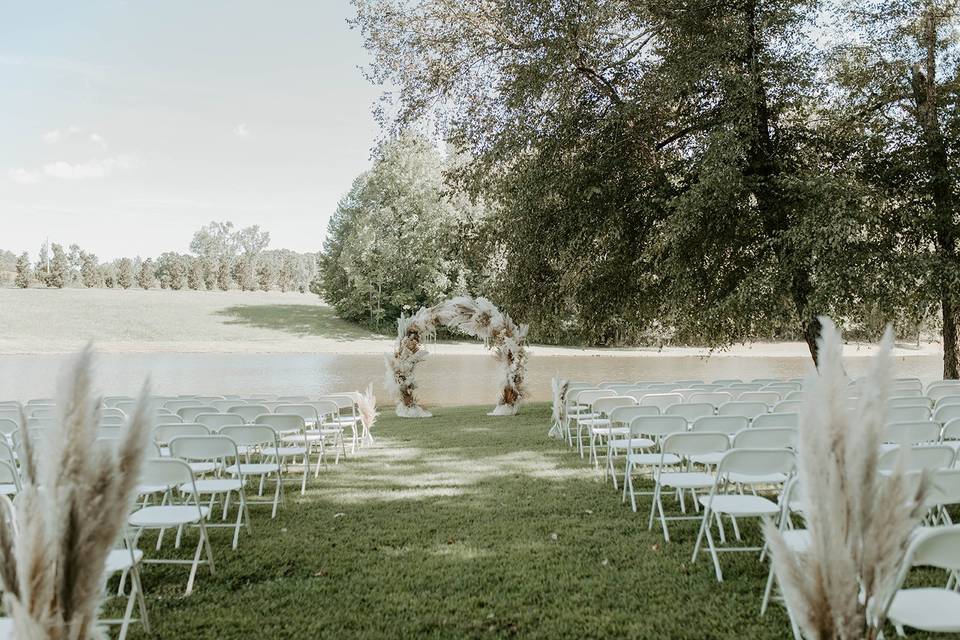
pixel 170 472
pixel 931 609
pixel 646 430
pixel 681 446
pixel 730 425
pixel 253 439
pixel 220 451
pixel 758 464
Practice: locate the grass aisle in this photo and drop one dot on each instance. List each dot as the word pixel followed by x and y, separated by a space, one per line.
pixel 461 526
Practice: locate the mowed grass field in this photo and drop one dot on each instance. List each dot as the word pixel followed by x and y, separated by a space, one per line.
pixel 57 320
pixel 460 526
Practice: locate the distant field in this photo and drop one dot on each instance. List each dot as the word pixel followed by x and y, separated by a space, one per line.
pixel 58 320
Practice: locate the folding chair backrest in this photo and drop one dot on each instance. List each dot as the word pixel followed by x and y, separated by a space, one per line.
pixel 305 411
pixel 8 426
pixel 176 405
pixel 216 421
pixel 166 472
pixel 768 398
pixel 36 402
pixel 913 383
pixel 946 413
pixel 657 425
pixel 943 487
pixel 714 398
pixel 224 405
pixel 907 414
pixel 690 411
pixel 108 412
pixel 766 381
pixel 908 401
pixel 44 422
pixel 687 383
pixel 325 408
pixel 620 388
pixel 590 396
pixel 112 421
pixel 250 435
pixel 936 547
pixel 729 425
pixel 662 387
pixel 343 400
pixel 104 431
pixel 167 432
pixel 943 391
pixel 915 432
pixel 573 394
pixel 282 422
pixel 757 462
pixel 908 392
pixel 918 458
pixel 43 412
pixel 748 410
pixel 782 387
pixel 788 406
pixel 111 401
pixel 947 400
pixel 249 412
pixel 10 413
pixel 611 385
pixel 706 387
pixel 695 444
pixel 767 420
pixel 606 405
pixel 661 400
pixel 203 447
pixel 189 414
pixel 766 438
pixel 727 381
pixel 624 415
pixel 746 386
pixel 8 474
pixel 209 399
pixel 292 399
pixel 951 430
pixel 795 395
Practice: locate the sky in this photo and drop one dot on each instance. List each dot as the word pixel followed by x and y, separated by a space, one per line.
pixel 127 125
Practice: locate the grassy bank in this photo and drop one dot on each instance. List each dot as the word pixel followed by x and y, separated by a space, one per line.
pixel 461 526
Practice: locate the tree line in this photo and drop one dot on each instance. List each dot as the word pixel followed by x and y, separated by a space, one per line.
pixel 221 258
pixel 700 170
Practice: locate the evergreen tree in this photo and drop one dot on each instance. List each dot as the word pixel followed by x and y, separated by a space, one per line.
pixel 145 275
pixel 125 273
pixel 24 274
pixel 59 268
pixel 223 274
pixel 89 270
pixel 264 274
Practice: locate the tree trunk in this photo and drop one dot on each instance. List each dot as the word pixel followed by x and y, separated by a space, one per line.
pixel 800 289
pixel 926 98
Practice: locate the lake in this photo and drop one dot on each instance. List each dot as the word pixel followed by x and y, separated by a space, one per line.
pixel 443 379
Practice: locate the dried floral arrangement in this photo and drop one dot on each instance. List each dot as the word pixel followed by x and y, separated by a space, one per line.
pixel 559 386
pixel 477 317
pixel 75 499
pixel 367 405
pixel 859 521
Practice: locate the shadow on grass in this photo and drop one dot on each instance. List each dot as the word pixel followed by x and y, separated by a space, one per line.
pixel 296 319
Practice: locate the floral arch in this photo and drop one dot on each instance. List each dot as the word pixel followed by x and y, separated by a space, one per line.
pixel 477 317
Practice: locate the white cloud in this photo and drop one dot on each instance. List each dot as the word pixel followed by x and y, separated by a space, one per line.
pixel 51 137
pixel 23 176
pixel 98 140
pixel 241 130
pixel 90 170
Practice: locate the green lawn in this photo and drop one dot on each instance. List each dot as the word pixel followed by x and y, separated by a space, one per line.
pixel 461 526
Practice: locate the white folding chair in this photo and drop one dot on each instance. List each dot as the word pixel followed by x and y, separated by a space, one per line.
pixel 661 400
pixel 600 428
pixel 791 420
pixel 176 405
pixel 714 398
pixel 787 406
pixel 918 458
pixel 749 410
pixel 582 410
pixel 768 398
pixel 907 414
pixel 908 401
pixel 690 411
pixel 169 472
pixel 680 447
pixel 189 414
pixel 221 451
pixel 620 419
pixel 216 421
pixel 644 434
pixel 253 439
pixel 249 412
pixel 945 413
pixel 294 443
pixel 943 490
pixel 745 464
pixel 922 432
pixel 931 609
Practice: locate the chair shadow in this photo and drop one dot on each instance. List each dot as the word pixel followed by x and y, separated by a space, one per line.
pixel 297 319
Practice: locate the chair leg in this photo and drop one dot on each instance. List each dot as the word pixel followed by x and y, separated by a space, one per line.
pixel 768 589
pixel 141 601
pixel 713 555
pixel 127 615
pixel 195 565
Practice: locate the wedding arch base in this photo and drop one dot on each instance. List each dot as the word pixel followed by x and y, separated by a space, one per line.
pixel 477 317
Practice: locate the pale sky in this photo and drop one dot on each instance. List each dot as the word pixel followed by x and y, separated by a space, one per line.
pixel 127 125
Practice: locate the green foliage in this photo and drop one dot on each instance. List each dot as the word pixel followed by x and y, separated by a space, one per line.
pixel 399 240
pixel 145 275
pixel 90 270
pixel 124 267
pixel 24 273
pixel 58 272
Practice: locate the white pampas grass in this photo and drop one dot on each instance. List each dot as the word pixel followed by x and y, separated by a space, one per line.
pixel 367 404
pixel 859 522
pixel 559 386
pixel 74 503
pixel 476 317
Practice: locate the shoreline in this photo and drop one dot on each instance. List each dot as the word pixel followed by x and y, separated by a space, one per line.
pixel 378 347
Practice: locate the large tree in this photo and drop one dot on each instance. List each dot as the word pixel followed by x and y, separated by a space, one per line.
pixel 900 76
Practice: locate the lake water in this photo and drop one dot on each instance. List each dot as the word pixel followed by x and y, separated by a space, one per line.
pixel 443 379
